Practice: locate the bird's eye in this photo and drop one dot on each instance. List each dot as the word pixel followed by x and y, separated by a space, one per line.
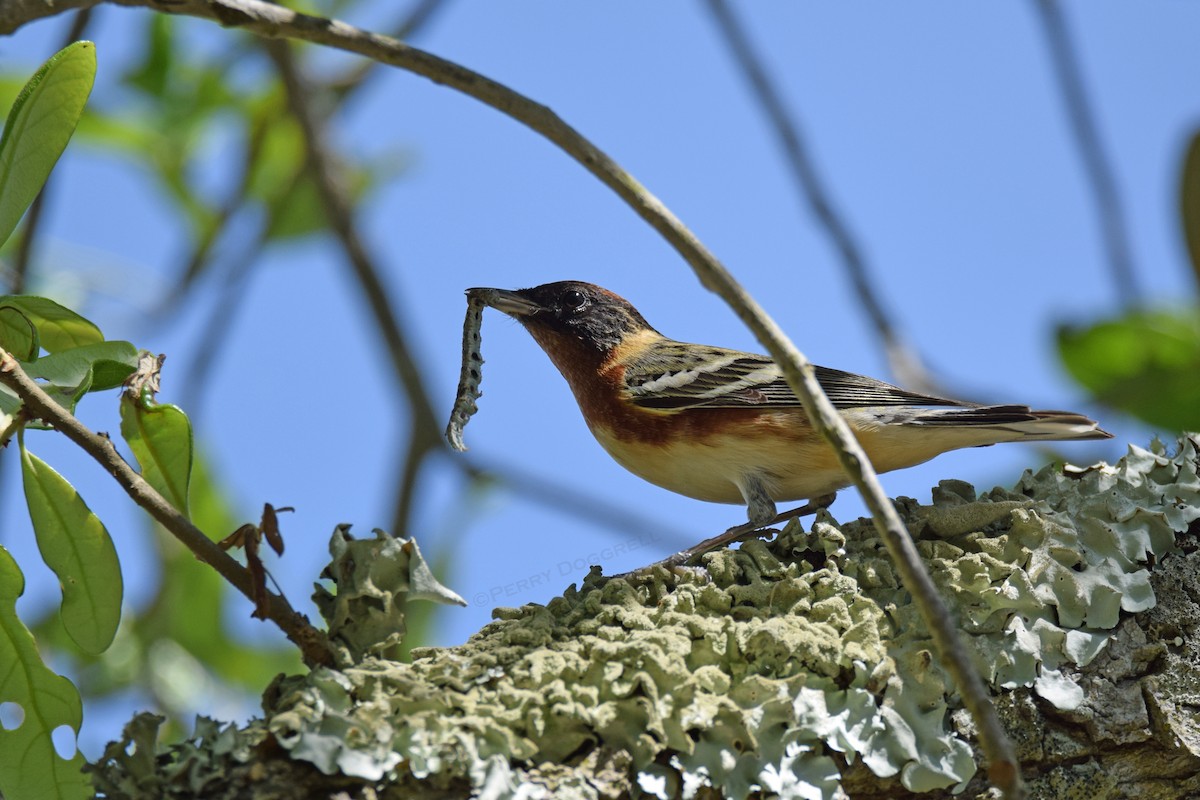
pixel 573 300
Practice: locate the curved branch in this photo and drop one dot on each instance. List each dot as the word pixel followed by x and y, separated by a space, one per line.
pixel 273 21
pixel 16 13
pixel 1095 163
pixel 905 363
pixel 312 642
pixel 424 438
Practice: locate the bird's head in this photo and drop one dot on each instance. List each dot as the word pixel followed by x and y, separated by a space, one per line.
pixel 569 318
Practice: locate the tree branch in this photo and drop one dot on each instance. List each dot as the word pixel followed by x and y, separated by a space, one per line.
pixel 17 13
pixel 1096 164
pixel 424 437
pixel 905 363
pixel 312 642
pixel 275 22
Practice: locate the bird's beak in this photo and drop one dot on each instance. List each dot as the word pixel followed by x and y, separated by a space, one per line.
pixel 510 303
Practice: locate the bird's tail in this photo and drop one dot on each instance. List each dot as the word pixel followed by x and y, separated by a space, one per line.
pixel 1013 423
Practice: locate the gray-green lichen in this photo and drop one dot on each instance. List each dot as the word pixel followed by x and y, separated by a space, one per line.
pixel 375 579
pixel 781 667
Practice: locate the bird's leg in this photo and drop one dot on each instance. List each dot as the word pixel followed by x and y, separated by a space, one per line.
pixel 743 531
pixel 811 507
pixel 760 508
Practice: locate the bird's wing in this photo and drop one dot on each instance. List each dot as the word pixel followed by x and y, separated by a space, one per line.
pixel 672 375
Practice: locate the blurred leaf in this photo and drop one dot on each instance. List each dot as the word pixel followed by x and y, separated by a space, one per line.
pixel 10 87
pixel 184 102
pixel 41 122
pixel 1189 193
pixel 17 334
pixel 1146 363
pixel 280 177
pixel 296 212
pixel 58 327
pixel 160 437
pixel 129 134
pixel 75 544
pixel 29 765
pixel 152 74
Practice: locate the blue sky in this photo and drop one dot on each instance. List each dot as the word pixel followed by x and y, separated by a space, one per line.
pixel 937 126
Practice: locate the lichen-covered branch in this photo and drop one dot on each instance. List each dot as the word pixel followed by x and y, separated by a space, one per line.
pixel 795 668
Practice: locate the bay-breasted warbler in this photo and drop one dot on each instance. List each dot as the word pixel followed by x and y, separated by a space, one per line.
pixel 722 425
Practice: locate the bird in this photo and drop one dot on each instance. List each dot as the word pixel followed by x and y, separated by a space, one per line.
pixel 722 425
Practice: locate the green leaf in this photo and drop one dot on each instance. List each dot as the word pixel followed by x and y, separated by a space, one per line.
pixel 160 437
pixel 1189 202
pixel 1145 363
pixel 156 69
pixel 39 126
pixel 75 544
pixel 151 635
pixel 58 327
pixel 29 765
pixel 17 334
pixel 93 368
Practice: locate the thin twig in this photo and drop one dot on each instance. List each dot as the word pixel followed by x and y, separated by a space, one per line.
pixel 217 330
pixel 312 643
pixel 275 22
pixel 424 428
pixel 565 498
pixel 344 88
pixel 1097 165
pixel 905 363
pixel 230 206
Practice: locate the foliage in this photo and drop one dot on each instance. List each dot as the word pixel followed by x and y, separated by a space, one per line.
pixel 181 103
pixel 1189 202
pixel 29 766
pixel 70 358
pixel 1143 362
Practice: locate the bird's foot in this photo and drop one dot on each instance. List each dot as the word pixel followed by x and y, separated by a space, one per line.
pixel 737 533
